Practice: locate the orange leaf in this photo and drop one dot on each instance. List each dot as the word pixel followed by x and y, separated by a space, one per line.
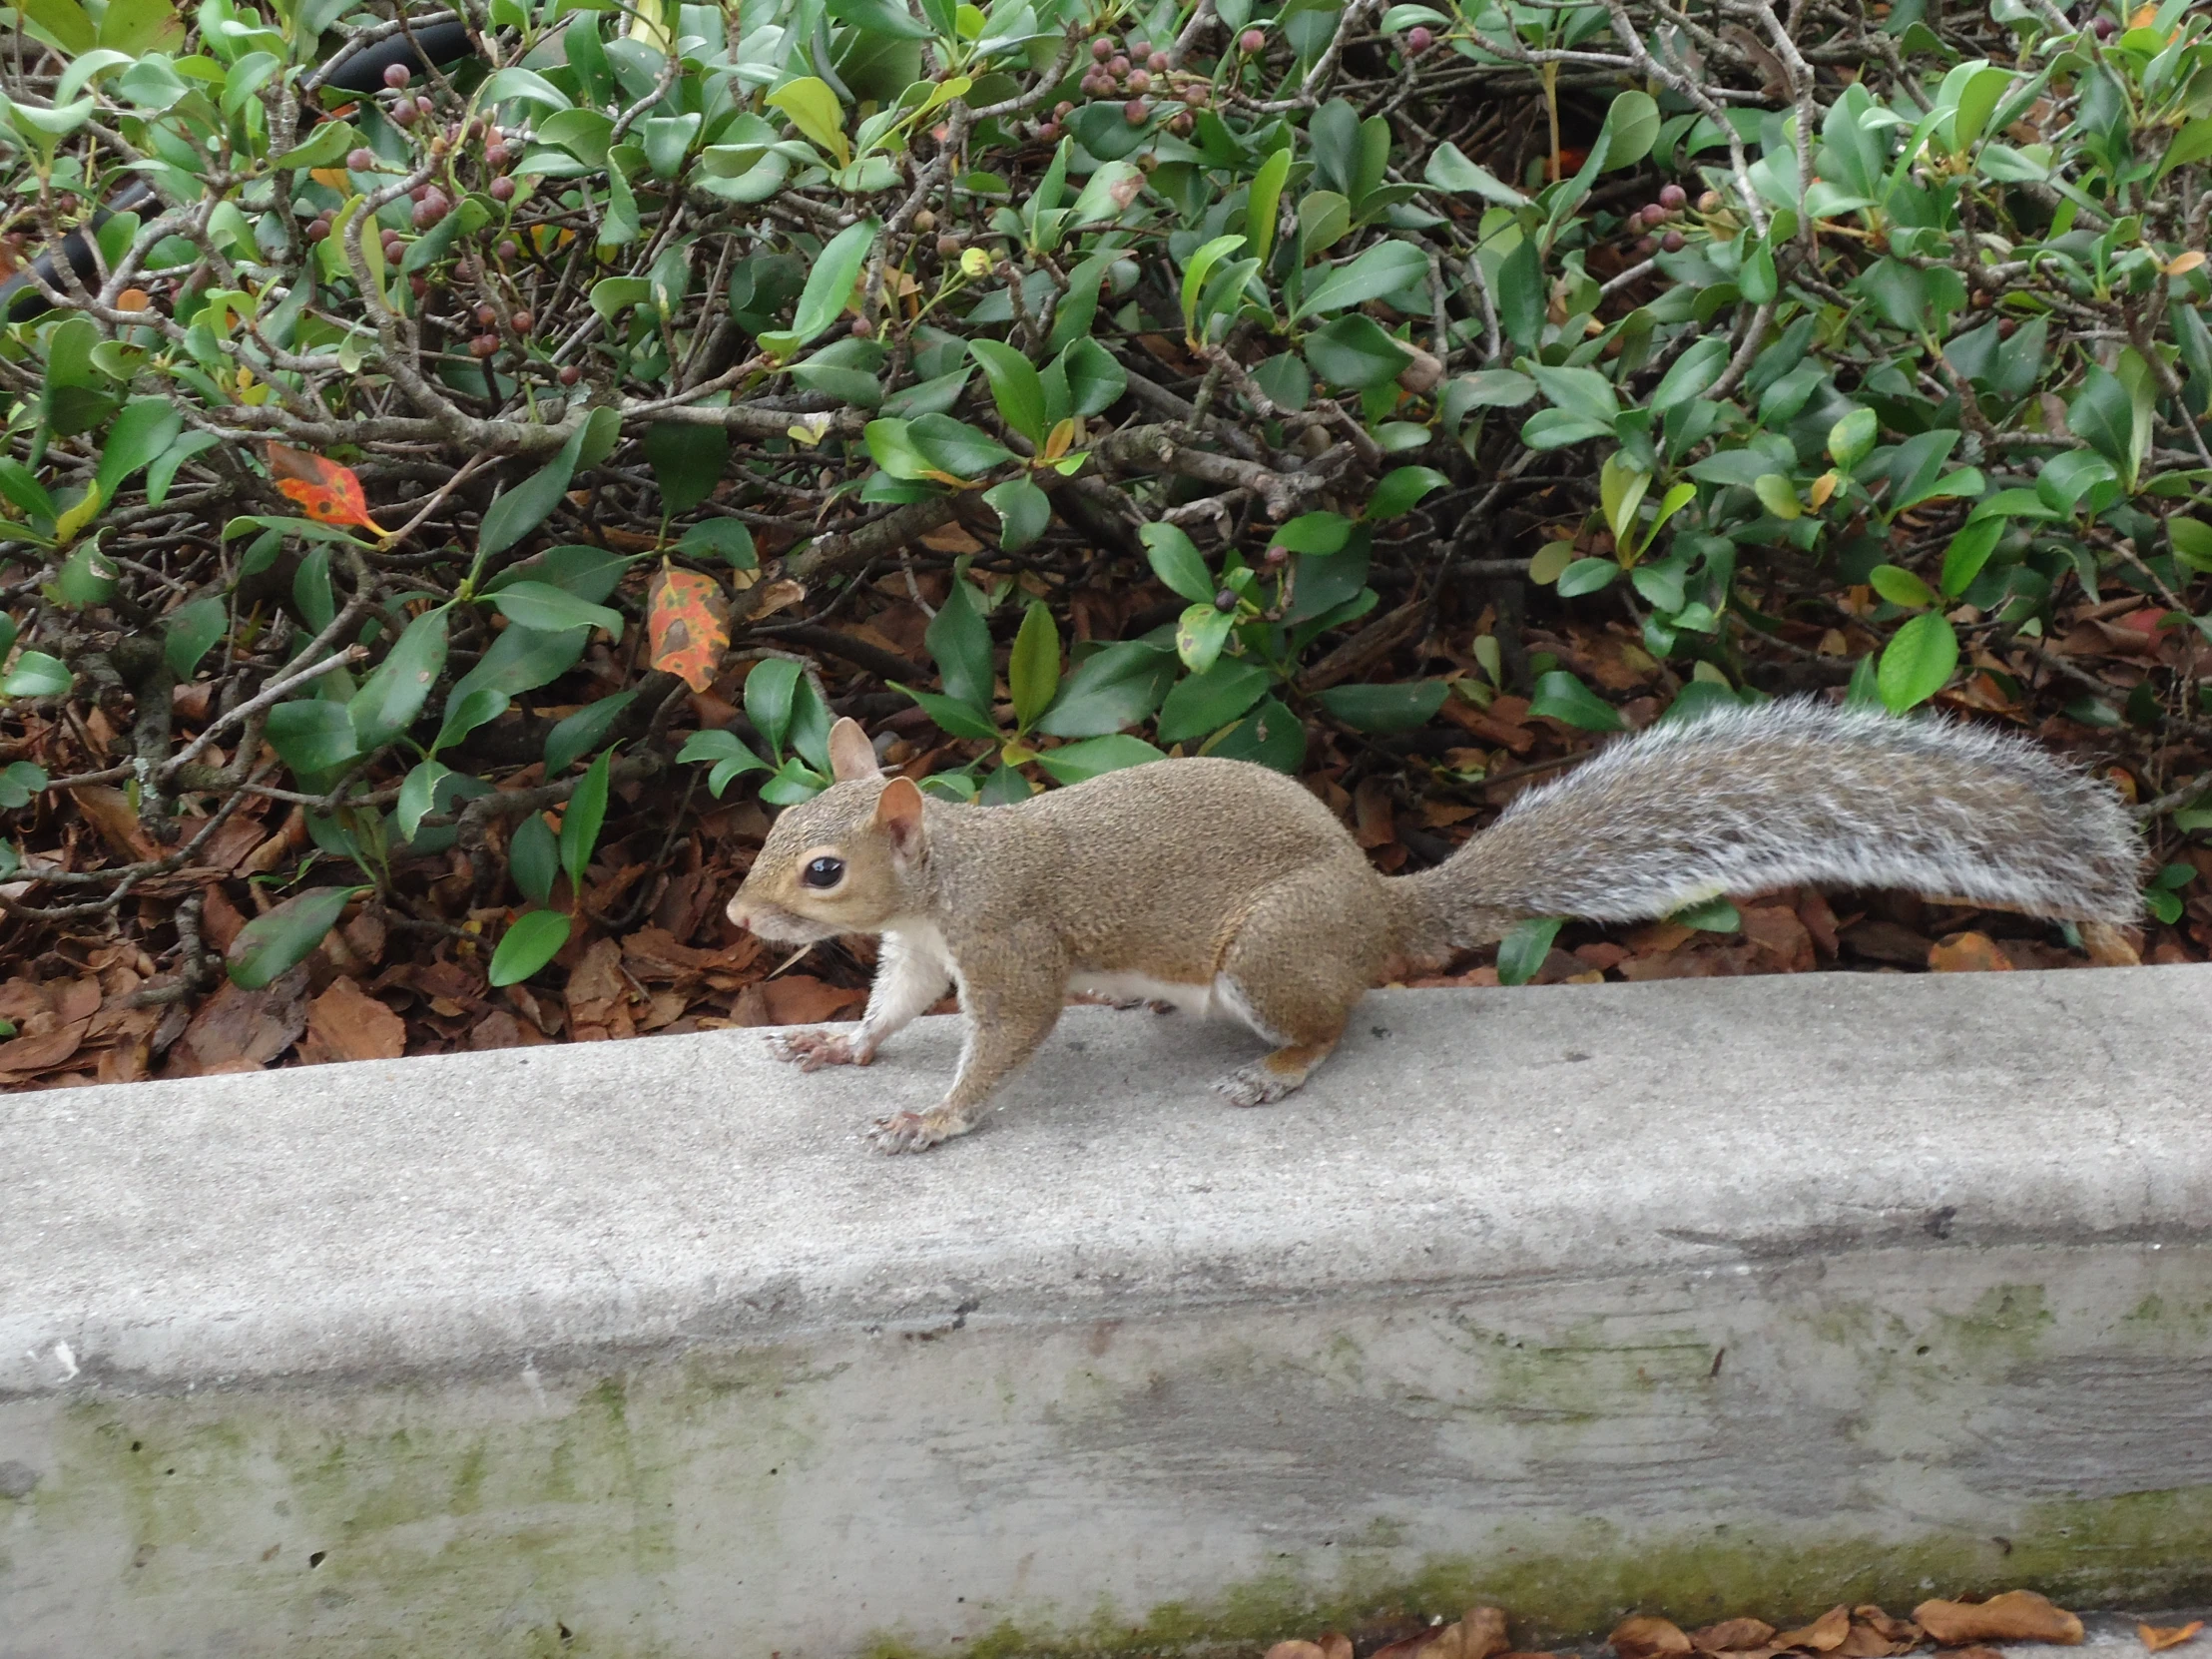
pixel 133 300
pixel 2159 1638
pixel 326 492
pixel 688 624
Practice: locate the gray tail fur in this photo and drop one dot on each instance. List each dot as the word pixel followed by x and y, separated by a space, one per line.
pixel 1744 800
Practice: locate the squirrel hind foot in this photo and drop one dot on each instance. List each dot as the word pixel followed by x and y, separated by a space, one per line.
pixel 812 1050
pixel 1273 1076
pixel 915 1130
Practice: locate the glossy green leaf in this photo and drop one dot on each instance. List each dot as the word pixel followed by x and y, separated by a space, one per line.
pixel 1917 662
pixel 282 937
pixel 583 732
pixel 586 811
pixel 1386 708
pixel 1522 953
pixel 393 694
pixel 1561 697
pixel 1114 687
pixel 1033 669
pixel 1176 561
pixel 534 940
pixel 1075 761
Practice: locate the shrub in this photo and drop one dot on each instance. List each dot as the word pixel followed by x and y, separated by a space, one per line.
pixel 1291 383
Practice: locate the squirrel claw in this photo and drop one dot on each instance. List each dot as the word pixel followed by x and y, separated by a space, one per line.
pixel 904 1132
pixel 1253 1085
pixel 812 1050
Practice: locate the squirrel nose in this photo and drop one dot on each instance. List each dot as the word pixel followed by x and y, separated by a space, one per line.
pixel 737 913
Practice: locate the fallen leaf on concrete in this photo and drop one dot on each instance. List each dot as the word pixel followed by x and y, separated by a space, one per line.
pixel 1823 1635
pixel 1296 1650
pixel 346 1023
pixel 1889 1628
pixel 239 1029
pixel 1968 954
pixel 1479 1634
pixel 2015 1617
pixel 2159 1638
pixel 27 1055
pixel 1644 1637
pixel 1731 1636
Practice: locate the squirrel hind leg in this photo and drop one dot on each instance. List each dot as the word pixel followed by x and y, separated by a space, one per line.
pixel 1291 974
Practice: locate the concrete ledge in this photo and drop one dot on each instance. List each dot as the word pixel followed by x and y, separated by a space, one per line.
pixel 1703 1296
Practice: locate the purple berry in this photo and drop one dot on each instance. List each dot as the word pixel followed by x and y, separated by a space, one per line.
pixel 1673 198
pixel 1417 41
pixel 396 75
pixel 1252 42
pixel 501 190
pixel 1136 112
pixel 1102 48
pixel 1674 242
pixel 570 374
pixel 363 160
pixel 1139 81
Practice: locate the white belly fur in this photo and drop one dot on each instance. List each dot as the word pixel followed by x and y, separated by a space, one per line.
pixel 1205 1000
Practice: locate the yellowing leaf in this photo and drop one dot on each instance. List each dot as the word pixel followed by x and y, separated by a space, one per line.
pixel 686 625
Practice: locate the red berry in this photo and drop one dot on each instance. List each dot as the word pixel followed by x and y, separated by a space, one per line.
pixel 1136 112
pixel 1062 109
pixel 319 231
pixel 508 248
pixel 1102 48
pixel 487 315
pixel 863 328
pixel 394 250
pixel 1195 96
pixel 1673 198
pixel 2104 27
pixel 423 106
pixel 497 156
pixel 1180 123
pixel 419 285
pixel 521 322
pixel 1157 62
pixel 1276 557
pixel 501 190
pixel 949 247
pixel 1117 66
pixel 404 114
pixel 1252 42
pixel 1049 132
pixel 1139 81
pixel 570 374
pixel 483 346
pixel 1645 248
pixel 396 75
pixel 1674 242
pixel 363 160
pixel 465 271
pixel 1417 41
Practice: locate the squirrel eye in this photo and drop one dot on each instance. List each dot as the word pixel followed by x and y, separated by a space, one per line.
pixel 823 872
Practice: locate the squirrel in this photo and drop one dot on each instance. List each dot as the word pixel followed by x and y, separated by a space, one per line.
pixel 1226 888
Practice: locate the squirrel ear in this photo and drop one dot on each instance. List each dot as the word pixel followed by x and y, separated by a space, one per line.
pixel 852 756
pixel 899 814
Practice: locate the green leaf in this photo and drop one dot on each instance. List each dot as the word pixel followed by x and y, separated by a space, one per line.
pixel 142 431
pixel 1917 662
pixel 2104 414
pixel 1354 351
pixel 516 512
pixel 1023 511
pixel 552 610
pixel 417 794
pixel 1265 203
pixel 19 780
pixel 687 461
pixel 519 660
pixel 726 538
pixel 1586 575
pixel 1631 128
pixel 1034 671
pixel 586 811
pixel 1200 633
pixel 1522 296
pixel 1096 380
pixel 583 730
pixel 1899 586
pixel 1075 761
pixel 952 716
pixel 1201 266
pixel 771 694
pixel 1621 486
pixel 279 939
pixel 311 736
pixel 391 697
pixel 1319 532
pixel 1448 170
pixel 1383 268
pixel 1014 387
pixel 830 283
pixel 533 940
pixel 960 646
pixel 1711 915
pixel 1112 688
pixel 2192 543
pixel 1176 561
pixel 1401 490
pixel 189 632
pixel 1969 551
pixel 88 576
pixel 1583 392
pixel 955 446
pixel 533 858
pixel 813 109
pixel 1203 704
pixel 1778 496
pixel 1561 697
pixel 1385 709
pixel 1522 953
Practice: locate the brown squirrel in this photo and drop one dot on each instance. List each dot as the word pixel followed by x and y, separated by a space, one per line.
pixel 1226 888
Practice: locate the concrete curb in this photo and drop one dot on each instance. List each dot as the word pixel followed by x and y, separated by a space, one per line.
pixel 1706 1297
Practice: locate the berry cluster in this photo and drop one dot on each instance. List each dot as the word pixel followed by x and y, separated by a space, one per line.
pixel 1138 74
pixel 1649 218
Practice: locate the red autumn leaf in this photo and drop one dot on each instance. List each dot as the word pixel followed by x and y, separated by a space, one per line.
pixel 688 623
pixel 326 492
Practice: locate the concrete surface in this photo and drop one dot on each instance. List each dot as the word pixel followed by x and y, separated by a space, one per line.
pixel 1702 1298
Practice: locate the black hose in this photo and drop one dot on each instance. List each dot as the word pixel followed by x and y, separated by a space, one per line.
pixel 437 44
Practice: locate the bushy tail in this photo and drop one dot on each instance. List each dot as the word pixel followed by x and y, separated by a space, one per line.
pixel 1748 800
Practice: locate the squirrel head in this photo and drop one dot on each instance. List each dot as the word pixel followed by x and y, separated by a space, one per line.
pixel 840 862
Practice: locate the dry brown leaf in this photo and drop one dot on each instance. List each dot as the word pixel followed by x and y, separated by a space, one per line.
pixel 1892 1629
pixel 1645 1636
pixel 1296 1650
pixel 1731 1636
pixel 2108 946
pixel 22 1056
pixel 109 812
pixel 2158 1638
pixel 799 999
pixel 1823 1635
pixel 1482 1633
pixel 1336 1645
pixel 346 1023
pixel 240 1030
pixel 2015 1617
pixel 1863 1641
pixel 1968 954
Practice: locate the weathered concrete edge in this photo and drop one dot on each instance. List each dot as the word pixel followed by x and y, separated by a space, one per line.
pixel 582 1202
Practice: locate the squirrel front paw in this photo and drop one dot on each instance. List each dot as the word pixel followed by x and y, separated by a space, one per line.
pixel 1254 1085
pixel 812 1050
pixel 914 1131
